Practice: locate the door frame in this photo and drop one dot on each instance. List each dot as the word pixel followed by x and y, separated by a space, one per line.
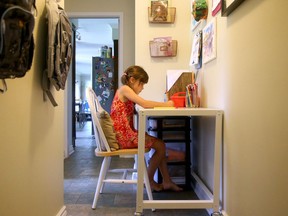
pixel 119 15
pixel 79 15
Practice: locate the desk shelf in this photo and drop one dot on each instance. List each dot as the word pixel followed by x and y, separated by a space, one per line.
pixel 175 132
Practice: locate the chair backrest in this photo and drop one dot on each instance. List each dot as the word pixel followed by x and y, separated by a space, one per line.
pixel 95 108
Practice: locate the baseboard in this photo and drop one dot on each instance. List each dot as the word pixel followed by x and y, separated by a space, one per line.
pixel 68 154
pixel 202 191
pixel 201 195
pixel 62 212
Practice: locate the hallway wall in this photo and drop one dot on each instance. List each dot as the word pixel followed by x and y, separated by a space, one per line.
pixel 248 80
pixel 31 140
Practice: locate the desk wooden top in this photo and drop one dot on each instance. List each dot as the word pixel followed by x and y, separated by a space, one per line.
pixel 159 111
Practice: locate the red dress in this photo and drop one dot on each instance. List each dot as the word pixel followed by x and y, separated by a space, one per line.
pixel 122 116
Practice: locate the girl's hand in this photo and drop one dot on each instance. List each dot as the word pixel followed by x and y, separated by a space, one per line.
pixel 170 103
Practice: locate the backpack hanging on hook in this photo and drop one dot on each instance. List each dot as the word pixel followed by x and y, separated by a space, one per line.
pixel 16 39
pixel 59 50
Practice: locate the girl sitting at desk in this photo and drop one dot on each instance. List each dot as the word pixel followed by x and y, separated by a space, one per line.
pixel 122 110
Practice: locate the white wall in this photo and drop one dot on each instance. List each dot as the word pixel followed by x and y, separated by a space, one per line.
pixel 145 31
pixel 32 137
pixel 254 70
pixel 248 80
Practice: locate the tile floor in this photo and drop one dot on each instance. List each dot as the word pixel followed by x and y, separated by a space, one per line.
pixel 81 171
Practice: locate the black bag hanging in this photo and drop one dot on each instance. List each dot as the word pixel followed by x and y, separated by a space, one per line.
pixel 16 38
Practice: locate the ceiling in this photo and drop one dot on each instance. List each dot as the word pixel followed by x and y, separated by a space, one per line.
pixel 91 35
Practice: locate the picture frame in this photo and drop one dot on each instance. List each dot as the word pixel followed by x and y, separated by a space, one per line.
pixel 216 6
pixel 228 6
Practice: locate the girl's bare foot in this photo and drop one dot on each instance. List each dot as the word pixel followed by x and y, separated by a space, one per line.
pixel 155 186
pixel 172 186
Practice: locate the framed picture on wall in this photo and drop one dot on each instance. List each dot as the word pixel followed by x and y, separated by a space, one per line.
pixel 216 6
pixel 209 41
pixel 228 6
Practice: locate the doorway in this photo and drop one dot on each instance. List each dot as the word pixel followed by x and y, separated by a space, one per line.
pixel 89 42
pixel 96 66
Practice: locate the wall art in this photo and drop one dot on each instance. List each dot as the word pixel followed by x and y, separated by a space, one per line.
pixel 216 6
pixel 228 6
pixel 209 41
pixel 196 51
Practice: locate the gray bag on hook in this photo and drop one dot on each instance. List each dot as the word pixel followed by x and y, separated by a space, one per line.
pixel 59 49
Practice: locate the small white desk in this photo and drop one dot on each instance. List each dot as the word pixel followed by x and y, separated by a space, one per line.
pixel 212 203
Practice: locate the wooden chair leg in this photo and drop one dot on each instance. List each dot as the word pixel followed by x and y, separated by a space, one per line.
pixel 107 167
pixel 102 175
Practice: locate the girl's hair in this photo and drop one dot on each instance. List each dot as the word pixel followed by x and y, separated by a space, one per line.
pixel 136 72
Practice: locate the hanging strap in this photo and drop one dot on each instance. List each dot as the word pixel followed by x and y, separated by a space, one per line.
pixel 50 96
pixel 4 89
pixel 46 89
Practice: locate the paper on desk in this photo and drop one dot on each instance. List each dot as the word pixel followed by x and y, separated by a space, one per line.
pixel 164 108
pixel 172 76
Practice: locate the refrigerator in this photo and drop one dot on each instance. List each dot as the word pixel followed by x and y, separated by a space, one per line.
pixel 103 80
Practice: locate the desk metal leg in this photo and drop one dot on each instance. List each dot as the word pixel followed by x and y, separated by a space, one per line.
pixel 217 164
pixel 140 175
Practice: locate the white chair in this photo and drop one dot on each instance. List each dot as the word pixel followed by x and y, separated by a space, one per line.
pixel 103 150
